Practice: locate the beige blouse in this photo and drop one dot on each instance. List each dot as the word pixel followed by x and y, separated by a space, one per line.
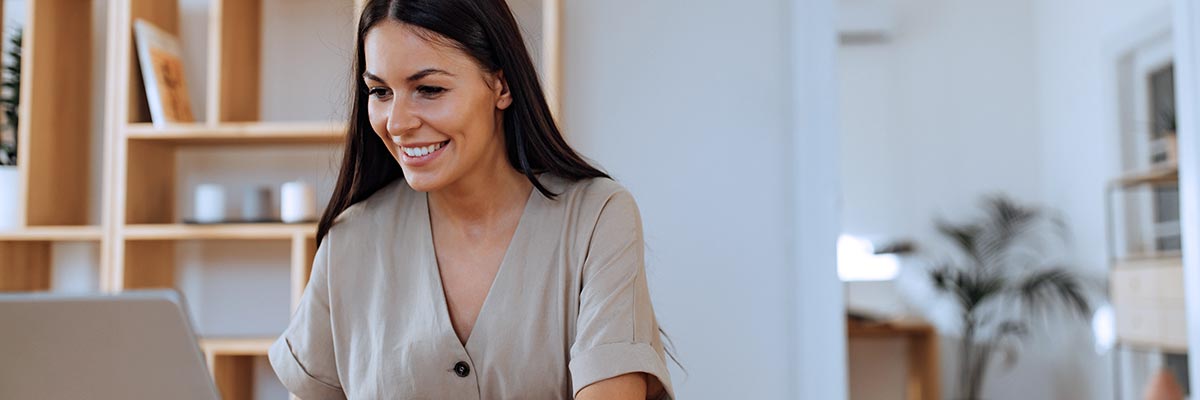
pixel 568 307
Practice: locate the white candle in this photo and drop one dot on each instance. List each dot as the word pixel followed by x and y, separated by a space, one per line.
pixel 297 202
pixel 209 204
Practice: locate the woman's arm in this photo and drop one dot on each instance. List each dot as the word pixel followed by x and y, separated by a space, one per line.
pixel 617 351
pixel 625 387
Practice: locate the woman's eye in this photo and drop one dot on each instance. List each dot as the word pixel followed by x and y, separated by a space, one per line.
pixel 430 91
pixel 378 92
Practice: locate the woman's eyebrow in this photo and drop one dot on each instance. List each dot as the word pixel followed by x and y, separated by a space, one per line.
pixel 369 76
pixel 427 72
pixel 412 78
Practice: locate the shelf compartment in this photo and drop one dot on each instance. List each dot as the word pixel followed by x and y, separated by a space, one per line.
pixel 25 266
pixel 241 133
pixel 234 56
pixel 53 234
pixel 1148 297
pixel 165 16
pixel 273 231
pixel 231 363
pixel 55 130
pixel 147 265
pixel 149 182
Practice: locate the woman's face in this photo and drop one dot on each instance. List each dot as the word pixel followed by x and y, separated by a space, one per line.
pixel 434 107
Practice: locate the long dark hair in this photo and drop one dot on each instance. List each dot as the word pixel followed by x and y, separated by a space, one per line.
pixel 487 31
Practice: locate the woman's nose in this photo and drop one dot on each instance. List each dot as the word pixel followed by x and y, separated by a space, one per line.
pixel 402 120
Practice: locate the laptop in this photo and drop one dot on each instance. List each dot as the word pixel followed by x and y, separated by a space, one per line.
pixel 132 345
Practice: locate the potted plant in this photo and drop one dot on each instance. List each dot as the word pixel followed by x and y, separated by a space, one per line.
pixel 10 96
pixel 1003 275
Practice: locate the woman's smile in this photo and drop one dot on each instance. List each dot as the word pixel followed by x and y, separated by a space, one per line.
pixel 419 154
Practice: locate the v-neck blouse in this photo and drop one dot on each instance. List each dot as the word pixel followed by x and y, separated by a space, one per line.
pixel 569 305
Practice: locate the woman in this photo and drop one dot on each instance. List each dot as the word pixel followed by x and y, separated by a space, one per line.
pixel 468 252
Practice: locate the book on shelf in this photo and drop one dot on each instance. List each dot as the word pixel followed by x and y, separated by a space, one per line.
pixel 160 57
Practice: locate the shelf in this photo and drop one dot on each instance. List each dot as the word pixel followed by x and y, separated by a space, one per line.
pixel 218 231
pixel 241 133
pixel 1154 176
pixel 1151 346
pixel 1163 259
pixel 53 234
pixel 236 346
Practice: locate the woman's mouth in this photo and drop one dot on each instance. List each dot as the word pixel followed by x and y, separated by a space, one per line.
pixel 418 155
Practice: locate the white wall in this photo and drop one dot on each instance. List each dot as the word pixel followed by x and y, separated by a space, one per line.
pixel 955 105
pixel 1077 42
pixel 686 103
pixel 1076 98
pixel 937 115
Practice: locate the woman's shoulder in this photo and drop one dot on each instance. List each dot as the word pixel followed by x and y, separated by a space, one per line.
pixel 387 199
pixel 589 195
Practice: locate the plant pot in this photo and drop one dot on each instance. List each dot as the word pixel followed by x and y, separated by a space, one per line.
pixel 9 192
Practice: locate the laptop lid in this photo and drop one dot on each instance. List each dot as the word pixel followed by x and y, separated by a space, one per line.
pixel 132 345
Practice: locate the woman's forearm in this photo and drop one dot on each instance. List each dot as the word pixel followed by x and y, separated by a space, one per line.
pixel 623 387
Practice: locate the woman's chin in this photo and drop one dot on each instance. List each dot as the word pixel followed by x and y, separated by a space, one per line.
pixel 422 182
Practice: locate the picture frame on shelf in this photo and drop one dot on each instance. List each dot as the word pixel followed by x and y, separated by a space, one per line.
pixel 160 56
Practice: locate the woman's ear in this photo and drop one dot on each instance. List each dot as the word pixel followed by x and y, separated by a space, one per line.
pixel 503 95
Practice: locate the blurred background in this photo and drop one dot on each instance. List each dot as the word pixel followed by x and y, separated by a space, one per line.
pixel 861 199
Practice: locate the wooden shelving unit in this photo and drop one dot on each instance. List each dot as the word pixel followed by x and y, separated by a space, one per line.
pixel 1147 289
pixel 144 228
pixel 55 135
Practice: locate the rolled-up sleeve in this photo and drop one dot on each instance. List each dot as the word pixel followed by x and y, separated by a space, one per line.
pixel 303 357
pixel 616 332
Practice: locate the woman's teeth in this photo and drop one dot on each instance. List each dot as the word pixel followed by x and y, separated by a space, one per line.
pixel 421 151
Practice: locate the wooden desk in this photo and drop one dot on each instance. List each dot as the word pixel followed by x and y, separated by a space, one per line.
pixel 922 339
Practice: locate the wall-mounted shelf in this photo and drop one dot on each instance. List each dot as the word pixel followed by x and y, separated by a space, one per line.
pixel 53 234
pixel 1161 175
pixel 241 133
pixel 265 231
pixel 218 346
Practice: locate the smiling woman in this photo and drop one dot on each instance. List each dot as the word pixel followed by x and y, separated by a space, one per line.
pixel 468 251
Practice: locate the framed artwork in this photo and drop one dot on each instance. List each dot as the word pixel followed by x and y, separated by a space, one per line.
pixel 161 60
